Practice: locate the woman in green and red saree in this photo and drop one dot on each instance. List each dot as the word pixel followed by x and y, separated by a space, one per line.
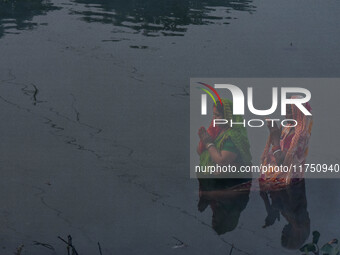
pixel 287 146
pixel 224 145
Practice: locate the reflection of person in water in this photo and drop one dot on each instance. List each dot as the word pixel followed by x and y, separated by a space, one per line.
pixel 287 146
pixel 291 202
pixel 226 205
pixel 222 144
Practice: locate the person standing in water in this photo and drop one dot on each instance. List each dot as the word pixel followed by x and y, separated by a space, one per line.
pixel 224 145
pixel 287 146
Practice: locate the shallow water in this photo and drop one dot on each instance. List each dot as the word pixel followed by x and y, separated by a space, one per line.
pixel 95 109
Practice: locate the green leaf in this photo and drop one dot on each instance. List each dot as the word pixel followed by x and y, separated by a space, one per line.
pixel 310 247
pixel 331 248
pixel 316 236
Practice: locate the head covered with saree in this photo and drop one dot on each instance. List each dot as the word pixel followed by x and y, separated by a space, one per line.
pixel 237 134
pixel 295 144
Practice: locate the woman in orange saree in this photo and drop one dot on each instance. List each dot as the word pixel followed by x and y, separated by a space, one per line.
pixel 287 146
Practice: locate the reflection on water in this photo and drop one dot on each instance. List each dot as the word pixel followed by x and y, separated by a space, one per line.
pixel 159 17
pixel 146 17
pixel 291 203
pixel 225 202
pixel 18 15
pixel 227 198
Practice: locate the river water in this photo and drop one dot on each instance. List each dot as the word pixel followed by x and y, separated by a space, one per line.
pixel 94 99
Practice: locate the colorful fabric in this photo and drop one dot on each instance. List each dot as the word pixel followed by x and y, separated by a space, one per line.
pixel 230 146
pixel 236 134
pixel 294 142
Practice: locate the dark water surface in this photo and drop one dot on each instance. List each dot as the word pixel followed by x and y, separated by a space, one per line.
pixel 95 109
pixel 18 15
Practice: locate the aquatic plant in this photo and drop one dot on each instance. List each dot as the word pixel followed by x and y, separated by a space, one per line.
pixel 330 248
